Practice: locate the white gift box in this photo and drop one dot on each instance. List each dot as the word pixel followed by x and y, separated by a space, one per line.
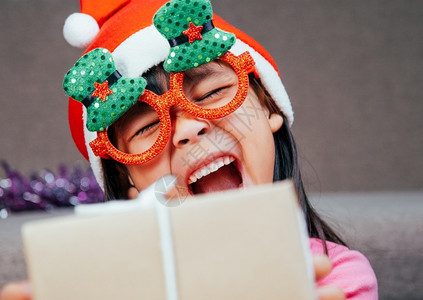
pixel 241 244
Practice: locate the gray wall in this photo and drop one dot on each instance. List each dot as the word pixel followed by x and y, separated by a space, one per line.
pixel 350 67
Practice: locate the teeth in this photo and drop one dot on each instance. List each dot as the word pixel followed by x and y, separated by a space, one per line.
pixel 220 163
pixel 205 171
pixel 227 160
pixel 213 167
pixel 210 168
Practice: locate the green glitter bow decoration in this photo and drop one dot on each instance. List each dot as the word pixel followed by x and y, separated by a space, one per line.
pixel 95 82
pixel 189 29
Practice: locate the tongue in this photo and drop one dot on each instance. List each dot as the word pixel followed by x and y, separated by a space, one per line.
pixel 226 178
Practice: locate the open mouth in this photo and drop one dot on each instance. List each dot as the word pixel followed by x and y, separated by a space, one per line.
pixel 219 175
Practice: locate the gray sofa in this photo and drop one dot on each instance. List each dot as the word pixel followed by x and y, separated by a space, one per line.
pixel 386 227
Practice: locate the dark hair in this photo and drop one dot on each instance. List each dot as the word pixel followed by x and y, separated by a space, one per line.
pixel 116 179
pixel 287 166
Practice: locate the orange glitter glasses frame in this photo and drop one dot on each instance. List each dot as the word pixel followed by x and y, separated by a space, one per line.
pixel 242 65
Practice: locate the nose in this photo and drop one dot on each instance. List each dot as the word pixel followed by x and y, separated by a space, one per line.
pixel 188 129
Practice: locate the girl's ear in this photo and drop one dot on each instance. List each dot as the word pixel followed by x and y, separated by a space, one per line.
pixel 275 122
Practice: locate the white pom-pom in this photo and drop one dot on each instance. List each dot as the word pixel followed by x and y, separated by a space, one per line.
pixel 80 30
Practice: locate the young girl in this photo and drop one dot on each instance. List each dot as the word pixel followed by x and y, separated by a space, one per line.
pixel 212 111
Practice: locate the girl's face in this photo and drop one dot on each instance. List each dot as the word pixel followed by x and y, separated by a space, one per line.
pixel 206 155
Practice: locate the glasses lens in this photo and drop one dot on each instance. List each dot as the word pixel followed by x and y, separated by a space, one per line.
pixel 212 85
pixel 137 130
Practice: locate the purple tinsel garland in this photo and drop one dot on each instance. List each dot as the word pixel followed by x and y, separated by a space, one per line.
pixel 45 190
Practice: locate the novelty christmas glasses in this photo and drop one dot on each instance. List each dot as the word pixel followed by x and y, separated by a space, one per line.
pixel 210 91
pixel 206 81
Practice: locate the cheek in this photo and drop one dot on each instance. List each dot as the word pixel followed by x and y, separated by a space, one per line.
pixel 251 119
pixel 259 154
pixel 255 139
pixel 146 174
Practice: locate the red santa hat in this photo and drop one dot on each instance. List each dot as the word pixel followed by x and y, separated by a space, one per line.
pixel 125 28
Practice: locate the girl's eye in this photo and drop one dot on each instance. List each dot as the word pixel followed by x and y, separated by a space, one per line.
pixel 212 95
pixel 148 128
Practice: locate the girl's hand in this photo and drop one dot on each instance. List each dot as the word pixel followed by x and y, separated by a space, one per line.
pixel 322 267
pixel 16 291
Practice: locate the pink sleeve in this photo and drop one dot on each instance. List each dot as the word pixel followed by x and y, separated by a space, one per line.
pixel 351 271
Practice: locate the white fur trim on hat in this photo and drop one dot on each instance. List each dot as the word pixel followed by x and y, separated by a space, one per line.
pixel 141 51
pixel 80 30
pixel 269 77
pixel 95 161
